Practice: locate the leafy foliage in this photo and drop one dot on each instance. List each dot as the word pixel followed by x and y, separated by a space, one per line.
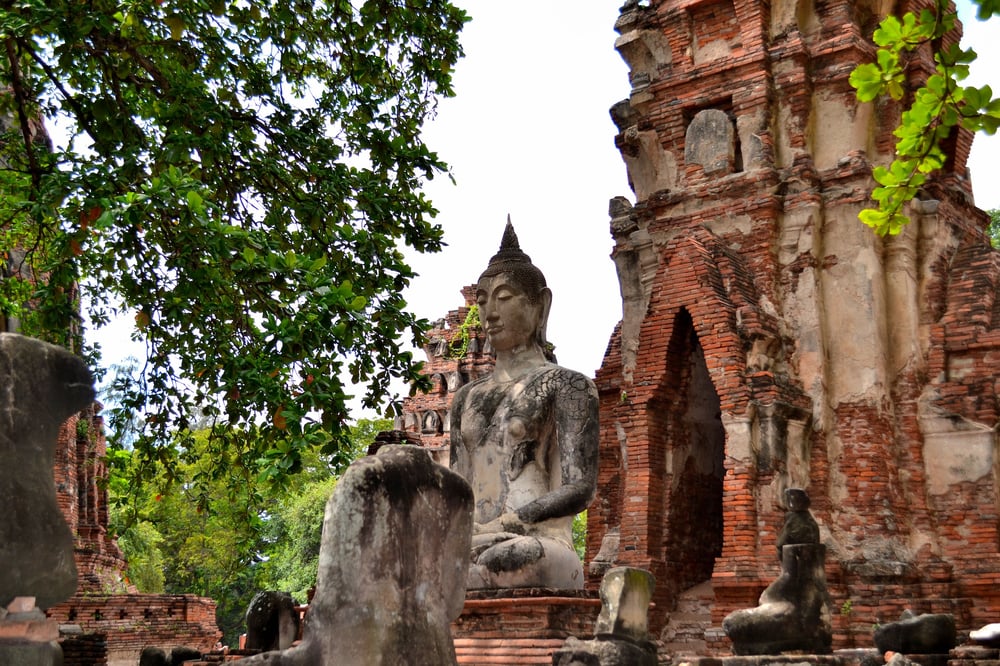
pixel 993 230
pixel 936 108
pixel 238 177
pixel 238 540
pixel 580 534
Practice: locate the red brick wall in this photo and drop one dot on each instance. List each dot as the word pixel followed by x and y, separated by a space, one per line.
pixel 131 622
pixel 428 415
pixel 842 362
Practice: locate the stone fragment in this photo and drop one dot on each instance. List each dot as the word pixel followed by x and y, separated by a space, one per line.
pixel 625 596
pixel 43 386
pixel 988 635
pixel 604 653
pixel 710 141
pixel 392 566
pixel 621 631
pixel 272 621
pixel 930 633
pixel 794 611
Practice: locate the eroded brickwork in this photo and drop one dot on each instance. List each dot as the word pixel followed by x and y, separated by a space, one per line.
pixel 117 621
pixel 770 340
pixel 457 353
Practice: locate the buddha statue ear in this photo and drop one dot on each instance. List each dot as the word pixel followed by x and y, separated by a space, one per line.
pixel 544 302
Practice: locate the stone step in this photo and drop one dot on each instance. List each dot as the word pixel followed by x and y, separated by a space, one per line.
pixel 686 648
pixel 488 651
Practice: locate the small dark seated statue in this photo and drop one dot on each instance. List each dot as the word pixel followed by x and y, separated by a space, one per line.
pixel 800 526
pixel 794 611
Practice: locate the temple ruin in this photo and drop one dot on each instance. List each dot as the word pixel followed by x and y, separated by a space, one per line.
pixel 770 340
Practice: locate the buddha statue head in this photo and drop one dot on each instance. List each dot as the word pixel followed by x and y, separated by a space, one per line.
pixel 512 268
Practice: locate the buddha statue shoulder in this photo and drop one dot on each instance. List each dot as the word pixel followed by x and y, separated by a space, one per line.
pixel 525 437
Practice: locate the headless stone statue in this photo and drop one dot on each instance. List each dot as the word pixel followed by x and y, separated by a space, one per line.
pixel 392 566
pixel 794 611
pixel 525 437
pixel 43 386
pixel 622 629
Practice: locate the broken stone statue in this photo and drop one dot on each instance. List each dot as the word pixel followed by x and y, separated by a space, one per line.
pixel 392 566
pixel 622 629
pixel 272 621
pixel 525 437
pixel 43 386
pixel 929 633
pixel 794 611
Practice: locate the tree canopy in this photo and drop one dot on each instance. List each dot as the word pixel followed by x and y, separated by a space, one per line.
pixel 239 178
pixel 237 539
pixel 935 107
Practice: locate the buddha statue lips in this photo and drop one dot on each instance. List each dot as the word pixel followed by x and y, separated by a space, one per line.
pixel 524 437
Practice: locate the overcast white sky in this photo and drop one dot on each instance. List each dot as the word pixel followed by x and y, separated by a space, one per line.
pixel 529 134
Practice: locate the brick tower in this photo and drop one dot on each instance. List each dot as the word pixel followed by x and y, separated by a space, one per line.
pixel 457 353
pixel 770 340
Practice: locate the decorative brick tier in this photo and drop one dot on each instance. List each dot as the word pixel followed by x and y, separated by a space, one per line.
pixel 523 627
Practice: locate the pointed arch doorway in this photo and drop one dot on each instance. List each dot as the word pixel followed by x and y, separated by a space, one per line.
pixel 694 439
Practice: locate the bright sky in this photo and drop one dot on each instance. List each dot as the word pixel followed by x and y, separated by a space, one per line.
pixel 529 134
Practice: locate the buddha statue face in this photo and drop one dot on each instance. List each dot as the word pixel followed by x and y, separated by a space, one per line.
pixel 510 317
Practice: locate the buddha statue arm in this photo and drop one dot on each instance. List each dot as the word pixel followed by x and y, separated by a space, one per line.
pixel 575 407
pixel 460 460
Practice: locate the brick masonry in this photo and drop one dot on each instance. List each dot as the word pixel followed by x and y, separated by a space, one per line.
pixel 116 621
pixel 770 340
pixel 457 354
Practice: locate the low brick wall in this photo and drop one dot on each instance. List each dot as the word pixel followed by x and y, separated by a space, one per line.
pixel 132 622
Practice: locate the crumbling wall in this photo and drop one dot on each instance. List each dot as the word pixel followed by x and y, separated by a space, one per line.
pixel 861 368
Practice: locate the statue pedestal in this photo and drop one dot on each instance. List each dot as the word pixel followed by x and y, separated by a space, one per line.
pixel 522 626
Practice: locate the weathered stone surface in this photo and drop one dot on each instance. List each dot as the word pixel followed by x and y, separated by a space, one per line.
pixel 525 437
pixel 621 631
pixel 272 621
pixel 710 141
pixel 44 385
pixel 625 596
pixel 29 653
pixel 930 633
pixel 988 635
pixel 154 656
pixel 604 653
pixel 793 613
pixel 392 567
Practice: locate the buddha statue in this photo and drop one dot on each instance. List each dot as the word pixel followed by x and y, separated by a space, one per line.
pixel 524 437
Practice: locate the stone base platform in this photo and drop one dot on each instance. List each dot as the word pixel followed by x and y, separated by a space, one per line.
pixel 965 655
pixel 522 626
